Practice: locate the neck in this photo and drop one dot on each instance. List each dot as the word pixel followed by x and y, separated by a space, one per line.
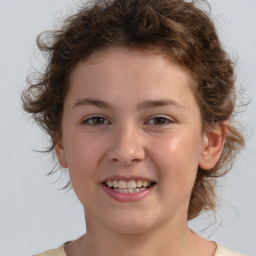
pixel 165 239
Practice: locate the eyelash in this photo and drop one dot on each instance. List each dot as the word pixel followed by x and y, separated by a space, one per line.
pixel 92 121
pixel 163 120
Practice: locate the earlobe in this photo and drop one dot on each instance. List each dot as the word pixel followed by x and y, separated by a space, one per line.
pixel 214 141
pixel 61 154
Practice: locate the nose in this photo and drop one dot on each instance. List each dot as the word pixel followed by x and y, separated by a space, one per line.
pixel 126 146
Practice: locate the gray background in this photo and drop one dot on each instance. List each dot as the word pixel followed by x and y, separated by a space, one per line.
pixel 36 215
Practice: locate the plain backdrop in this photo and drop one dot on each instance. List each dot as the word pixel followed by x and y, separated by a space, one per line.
pixel 35 214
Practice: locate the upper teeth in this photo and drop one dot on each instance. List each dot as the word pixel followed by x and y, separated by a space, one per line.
pixel 128 184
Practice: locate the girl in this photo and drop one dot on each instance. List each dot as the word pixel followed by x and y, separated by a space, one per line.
pixel 138 99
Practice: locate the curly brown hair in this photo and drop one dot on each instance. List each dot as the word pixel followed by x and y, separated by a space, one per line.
pixel 184 33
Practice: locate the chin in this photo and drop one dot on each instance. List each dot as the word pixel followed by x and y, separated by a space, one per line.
pixel 132 224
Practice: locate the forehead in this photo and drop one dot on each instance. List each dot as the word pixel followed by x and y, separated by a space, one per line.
pixel 120 62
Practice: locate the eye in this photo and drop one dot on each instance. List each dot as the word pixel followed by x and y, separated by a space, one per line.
pixel 160 120
pixel 95 120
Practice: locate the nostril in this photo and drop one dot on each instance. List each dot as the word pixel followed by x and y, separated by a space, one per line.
pixel 126 159
pixel 136 160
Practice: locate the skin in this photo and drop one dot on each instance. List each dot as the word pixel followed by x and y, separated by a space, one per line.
pixel 133 113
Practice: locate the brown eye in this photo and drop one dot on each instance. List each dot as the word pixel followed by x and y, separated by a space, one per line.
pixel 160 120
pixel 95 120
pixel 98 120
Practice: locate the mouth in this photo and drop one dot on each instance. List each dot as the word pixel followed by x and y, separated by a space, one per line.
pixel 129 187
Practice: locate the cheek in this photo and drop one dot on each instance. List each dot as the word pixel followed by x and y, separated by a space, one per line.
pixel 83 157
pixel 82 151
pixel 177 160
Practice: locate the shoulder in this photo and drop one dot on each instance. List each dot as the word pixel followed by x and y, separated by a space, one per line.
pixel 53 252
pixel 223 251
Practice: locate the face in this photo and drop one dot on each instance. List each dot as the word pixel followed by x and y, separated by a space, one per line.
pixel 132 139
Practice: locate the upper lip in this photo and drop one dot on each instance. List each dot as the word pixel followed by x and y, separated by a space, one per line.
pixel 126 178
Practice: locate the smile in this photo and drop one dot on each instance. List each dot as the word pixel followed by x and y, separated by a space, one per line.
pixel 131 186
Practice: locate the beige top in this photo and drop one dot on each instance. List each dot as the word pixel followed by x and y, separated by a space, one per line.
pixel 221 251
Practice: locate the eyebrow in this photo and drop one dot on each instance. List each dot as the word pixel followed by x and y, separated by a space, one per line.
pixel 143 105
pixel 92 102
pixel 159 103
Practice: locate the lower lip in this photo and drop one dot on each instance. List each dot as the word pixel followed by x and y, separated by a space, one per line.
pixel 127 197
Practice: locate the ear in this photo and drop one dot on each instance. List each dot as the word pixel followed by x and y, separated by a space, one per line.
pixel 61 154
pixel 214 140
